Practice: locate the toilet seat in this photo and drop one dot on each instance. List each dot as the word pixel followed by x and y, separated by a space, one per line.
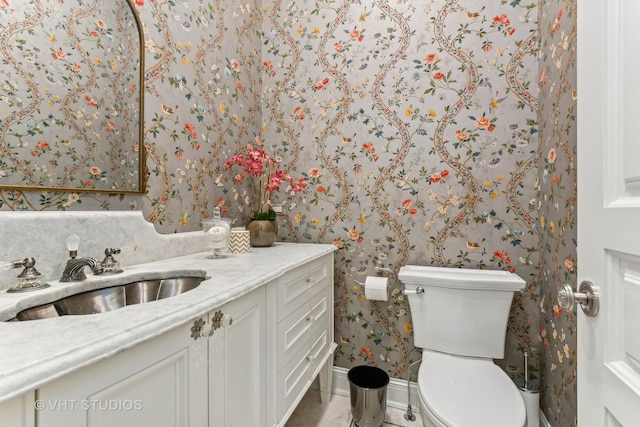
pixel 468 392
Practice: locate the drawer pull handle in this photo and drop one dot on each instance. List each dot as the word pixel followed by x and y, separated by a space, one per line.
pixel 227 320
pixel 310 280
pixel 311 319
pixel 310 359
pixel 220 320
pixel 196 329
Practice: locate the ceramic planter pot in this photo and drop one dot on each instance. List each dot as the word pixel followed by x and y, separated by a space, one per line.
pixel 262 232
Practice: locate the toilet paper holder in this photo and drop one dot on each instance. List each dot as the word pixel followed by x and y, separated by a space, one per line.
pixel 381 270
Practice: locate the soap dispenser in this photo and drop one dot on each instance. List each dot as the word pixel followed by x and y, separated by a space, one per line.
pixel 217 231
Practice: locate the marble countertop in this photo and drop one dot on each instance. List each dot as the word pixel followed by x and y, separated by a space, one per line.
pixel 35 352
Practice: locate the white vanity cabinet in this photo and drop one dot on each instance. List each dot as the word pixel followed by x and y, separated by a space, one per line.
pixel 264 356
pixel 161 382
pixel 246 363
pixel 210 371
pixel 301 315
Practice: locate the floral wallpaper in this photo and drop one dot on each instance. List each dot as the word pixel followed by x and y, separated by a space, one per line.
pixel 435 132
pixel 416 123
pixel 557 214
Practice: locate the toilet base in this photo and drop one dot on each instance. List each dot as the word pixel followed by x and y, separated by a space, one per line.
pixel 428 419
pixel 439 372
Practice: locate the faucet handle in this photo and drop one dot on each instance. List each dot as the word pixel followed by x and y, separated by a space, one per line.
pixel 4 266
pixel 30 279
pixel 72 242
pixel 109 264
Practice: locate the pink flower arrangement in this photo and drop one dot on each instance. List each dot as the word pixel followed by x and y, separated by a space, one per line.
pixel 257 163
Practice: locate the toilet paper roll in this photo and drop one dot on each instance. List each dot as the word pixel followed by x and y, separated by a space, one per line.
pixel 376 288
pixel 532 406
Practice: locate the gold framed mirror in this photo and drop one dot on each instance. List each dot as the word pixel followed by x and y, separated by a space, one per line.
pixel 72 97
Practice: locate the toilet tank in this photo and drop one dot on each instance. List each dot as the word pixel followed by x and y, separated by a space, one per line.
pixel 462 311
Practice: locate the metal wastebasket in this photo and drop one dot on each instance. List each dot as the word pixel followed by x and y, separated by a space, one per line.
pixel 368 391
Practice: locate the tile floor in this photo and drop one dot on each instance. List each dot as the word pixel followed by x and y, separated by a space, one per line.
pixel 337 413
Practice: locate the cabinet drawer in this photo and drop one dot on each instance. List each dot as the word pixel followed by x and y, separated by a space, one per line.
pixel 295 379
pixel 303 326
pixel 301 283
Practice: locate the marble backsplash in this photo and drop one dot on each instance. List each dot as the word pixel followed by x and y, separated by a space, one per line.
pixel 42 235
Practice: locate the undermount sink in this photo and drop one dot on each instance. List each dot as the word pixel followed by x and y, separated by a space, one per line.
pixel 112 298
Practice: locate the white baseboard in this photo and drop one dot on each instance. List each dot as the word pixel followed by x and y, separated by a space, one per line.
pixel 396 392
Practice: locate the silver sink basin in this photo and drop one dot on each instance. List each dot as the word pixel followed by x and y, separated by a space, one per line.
pixel 112 298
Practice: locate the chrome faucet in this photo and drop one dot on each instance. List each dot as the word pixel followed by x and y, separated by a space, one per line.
pixel 74 271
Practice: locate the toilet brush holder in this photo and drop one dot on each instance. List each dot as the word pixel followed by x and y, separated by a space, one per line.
pixel 532 406
pixel 530 396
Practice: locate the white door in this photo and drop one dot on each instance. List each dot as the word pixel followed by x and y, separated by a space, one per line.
pixel 609 211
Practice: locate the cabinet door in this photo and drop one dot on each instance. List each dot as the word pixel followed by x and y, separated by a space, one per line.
pixel 160 383
pixel 19 411
pixel 237 386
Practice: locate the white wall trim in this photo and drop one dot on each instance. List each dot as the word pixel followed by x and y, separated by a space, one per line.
pixel 396 393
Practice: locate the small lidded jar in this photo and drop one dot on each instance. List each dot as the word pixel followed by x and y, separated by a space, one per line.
pixel 217 231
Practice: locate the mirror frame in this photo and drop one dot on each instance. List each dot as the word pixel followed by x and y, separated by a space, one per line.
pixel 142 173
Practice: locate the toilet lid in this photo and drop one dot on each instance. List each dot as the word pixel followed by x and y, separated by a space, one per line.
pixel 467 392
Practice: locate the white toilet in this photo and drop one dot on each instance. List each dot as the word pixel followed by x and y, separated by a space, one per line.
pixel 460 321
